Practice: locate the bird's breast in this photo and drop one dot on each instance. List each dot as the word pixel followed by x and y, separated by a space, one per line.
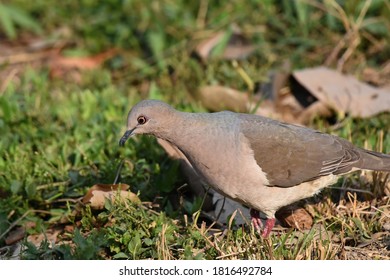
pixel 227 164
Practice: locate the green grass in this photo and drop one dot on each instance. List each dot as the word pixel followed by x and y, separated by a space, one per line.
pixel 59 136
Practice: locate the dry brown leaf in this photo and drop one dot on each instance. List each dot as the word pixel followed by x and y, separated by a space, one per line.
pixel 268 109
pixel 279 103
pixel 15 235
pixel 295 217
pixel 87 63
pixel 313 110
pixel 104 188
pixel 98 194
pixel 49 235
pixel 205 47
pixel 344 93
pixel 60 65
pixel 238 47
pixel 377 77
pixel 218 98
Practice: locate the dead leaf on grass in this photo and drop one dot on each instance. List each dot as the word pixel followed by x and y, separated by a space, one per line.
pixel 15 235
pixel 49 235
pixel 98 194
pixel 61 65
pixel 295 217
pixel 232 44
pixel 377 77
pixel 343 93
pixel 308 93
pixel 218 98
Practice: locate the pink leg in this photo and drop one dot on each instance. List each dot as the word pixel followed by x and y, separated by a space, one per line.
pixel 269 224
pixel 256 221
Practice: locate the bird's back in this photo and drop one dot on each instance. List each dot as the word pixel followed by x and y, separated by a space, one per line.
pixel 291 154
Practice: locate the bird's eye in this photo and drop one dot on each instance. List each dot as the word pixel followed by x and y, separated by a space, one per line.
pixel 141 120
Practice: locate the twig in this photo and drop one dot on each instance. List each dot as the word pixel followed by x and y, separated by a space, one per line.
pixel 118 172
pixel 231 254
pixel 351 189
pixel 377 209
pixel 220 211
pixel 19 219
pixel 56 184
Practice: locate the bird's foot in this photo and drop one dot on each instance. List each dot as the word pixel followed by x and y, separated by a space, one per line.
pixel 256 221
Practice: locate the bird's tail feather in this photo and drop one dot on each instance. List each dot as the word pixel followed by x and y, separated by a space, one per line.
pixel 374 161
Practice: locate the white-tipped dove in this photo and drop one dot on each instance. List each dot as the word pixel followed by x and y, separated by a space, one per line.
pixel 262 163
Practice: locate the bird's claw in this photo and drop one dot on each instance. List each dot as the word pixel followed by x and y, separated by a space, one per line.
pixel 258 225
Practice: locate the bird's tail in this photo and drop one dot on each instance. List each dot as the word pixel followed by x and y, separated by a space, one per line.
pixel 374 161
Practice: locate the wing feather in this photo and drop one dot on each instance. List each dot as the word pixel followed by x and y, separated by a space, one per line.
pixel 291 154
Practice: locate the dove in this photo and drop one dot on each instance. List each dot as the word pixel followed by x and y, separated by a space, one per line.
pixel 260 162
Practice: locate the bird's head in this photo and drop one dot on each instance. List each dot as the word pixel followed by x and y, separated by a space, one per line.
pixel 148 117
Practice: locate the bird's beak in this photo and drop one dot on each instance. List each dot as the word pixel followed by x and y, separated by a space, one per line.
pixel 126 136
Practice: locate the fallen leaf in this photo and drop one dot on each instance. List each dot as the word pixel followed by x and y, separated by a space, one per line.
pixel 15 235
pixel 90 62
pixel 218 98
pixel 97 194
pixel 375 77
pixel 268 109
pixel 312 111
pixel 295 217
pixel 104 188
pixel 233 45
pixel 49 235
pixel 343 93
pixel 277 99
pixel 61 65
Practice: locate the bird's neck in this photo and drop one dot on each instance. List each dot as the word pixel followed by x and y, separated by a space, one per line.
pixel 182 127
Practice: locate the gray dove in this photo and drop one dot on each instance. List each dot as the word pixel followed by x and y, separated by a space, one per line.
pixel 260 162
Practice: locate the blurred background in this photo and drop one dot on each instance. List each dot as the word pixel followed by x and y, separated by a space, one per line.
pixel 71 70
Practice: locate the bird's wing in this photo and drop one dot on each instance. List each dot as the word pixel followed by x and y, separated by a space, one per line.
pixel 291 155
